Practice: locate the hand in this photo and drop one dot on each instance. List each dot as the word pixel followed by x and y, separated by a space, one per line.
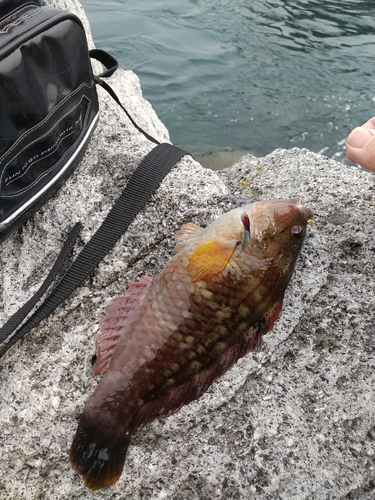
pixel 360 145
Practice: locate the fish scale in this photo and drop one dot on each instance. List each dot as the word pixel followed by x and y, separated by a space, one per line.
pixel 166 341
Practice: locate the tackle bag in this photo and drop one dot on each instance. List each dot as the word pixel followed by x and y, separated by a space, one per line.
pixel 48 105
pixel 48 111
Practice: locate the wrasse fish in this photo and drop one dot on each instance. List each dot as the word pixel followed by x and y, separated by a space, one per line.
pixel 166 341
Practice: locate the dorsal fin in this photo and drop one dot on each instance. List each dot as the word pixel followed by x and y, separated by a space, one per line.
pixel 173 400
pixel 210 258
pixel 116 319
pixel 185 235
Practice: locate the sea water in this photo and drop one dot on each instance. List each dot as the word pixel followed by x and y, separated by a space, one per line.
pixel 227 76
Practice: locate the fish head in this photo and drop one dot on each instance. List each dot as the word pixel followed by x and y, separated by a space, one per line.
pixel 266 234
pixel 274 228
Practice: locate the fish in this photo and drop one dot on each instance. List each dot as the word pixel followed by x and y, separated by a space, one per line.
pixel 171 336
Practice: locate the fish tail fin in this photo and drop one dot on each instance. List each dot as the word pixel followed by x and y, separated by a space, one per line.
pixel 98 453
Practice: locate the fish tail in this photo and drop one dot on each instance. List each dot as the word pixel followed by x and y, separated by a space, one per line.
pixel 98 452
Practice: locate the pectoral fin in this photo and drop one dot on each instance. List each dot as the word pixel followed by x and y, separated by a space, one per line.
pixel 210 258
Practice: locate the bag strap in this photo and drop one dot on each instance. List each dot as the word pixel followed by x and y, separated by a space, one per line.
pixel 111 64
pixel 142 184
pixel 17 319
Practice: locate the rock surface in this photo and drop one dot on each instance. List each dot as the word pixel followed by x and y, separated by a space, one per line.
pixel 295 419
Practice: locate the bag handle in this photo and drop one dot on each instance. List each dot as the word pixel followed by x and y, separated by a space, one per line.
pixel 111 64
pixel 108 61
pixel 142 184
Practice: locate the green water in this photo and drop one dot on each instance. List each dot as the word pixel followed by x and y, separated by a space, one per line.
pixel 247 74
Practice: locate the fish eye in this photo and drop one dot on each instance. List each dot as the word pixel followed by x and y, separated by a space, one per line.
pixel 246 222
pixel 296 231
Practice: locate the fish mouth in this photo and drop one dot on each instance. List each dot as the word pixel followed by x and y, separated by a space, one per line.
pixel 306 210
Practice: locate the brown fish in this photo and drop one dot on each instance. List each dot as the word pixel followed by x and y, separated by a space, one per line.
pixel 165 342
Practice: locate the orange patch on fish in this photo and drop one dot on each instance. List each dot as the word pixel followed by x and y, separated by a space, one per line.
pixel 210 259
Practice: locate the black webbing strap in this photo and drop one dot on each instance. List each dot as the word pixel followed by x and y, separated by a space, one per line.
pixel 111 64
pixel 143 183
pixel 17 319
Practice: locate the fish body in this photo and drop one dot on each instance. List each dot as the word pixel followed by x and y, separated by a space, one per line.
pixel 164 343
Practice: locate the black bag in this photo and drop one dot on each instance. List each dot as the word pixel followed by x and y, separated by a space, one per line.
pixel 48 105
pixel 48 111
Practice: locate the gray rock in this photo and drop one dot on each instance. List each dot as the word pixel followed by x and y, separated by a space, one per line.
pixel 295 419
